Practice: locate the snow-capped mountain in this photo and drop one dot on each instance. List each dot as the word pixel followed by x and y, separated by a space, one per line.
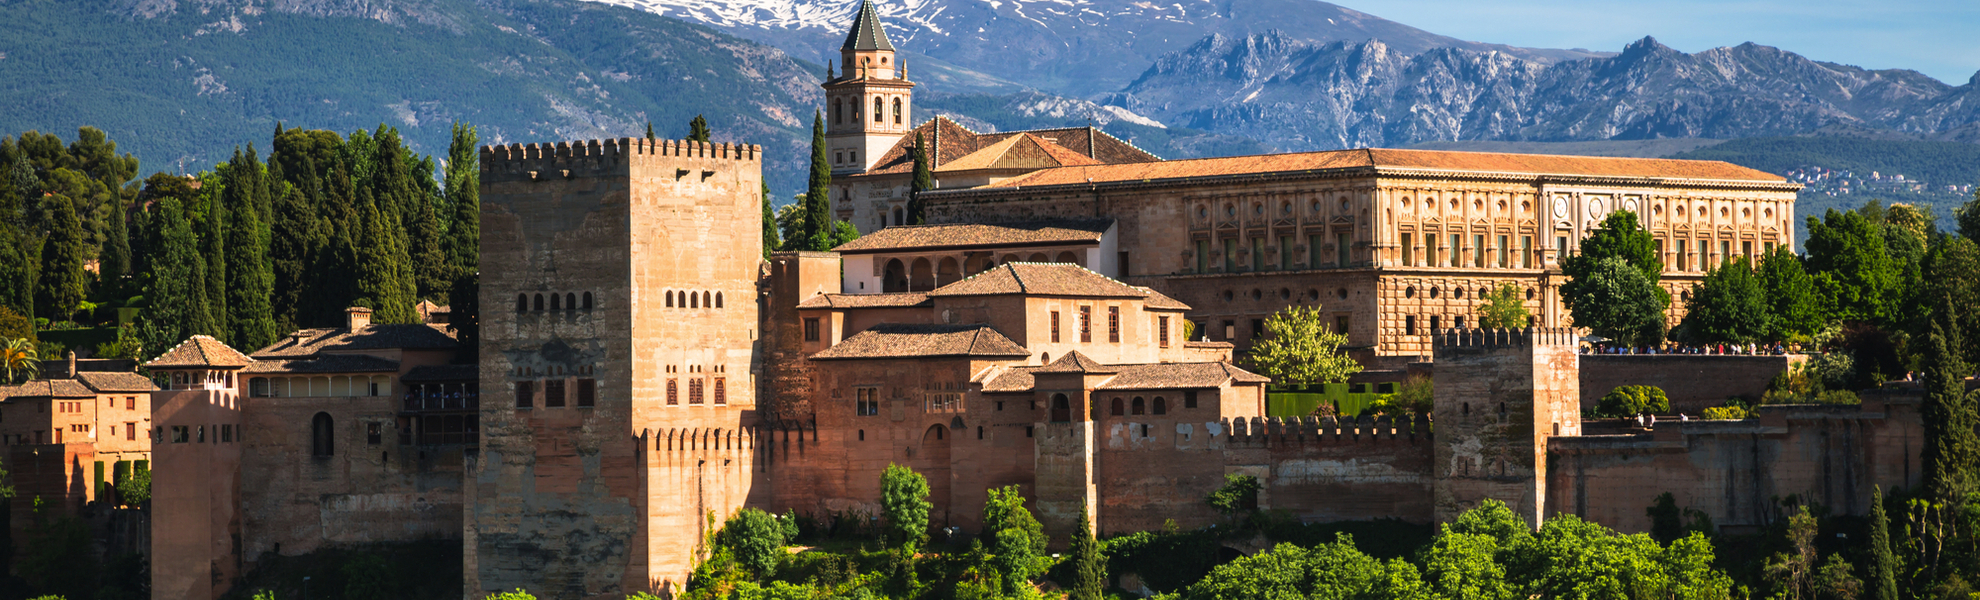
pixel 1072 47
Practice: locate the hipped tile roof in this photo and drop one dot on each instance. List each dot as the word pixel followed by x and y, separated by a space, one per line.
pixel 952 142
pixel 966 235
pixel 200 351
pixel 50 388
pixel 1388 158
pixel 417 336
pixel 893 300
pixel 1074 362
pixel 1021 152
pixel 899 340
pixel 1159 301
pixel 1039 279
pixel 112 381
pixel 1157 376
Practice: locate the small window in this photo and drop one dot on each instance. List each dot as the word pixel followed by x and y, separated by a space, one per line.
pixel 862 435
pixel 522 302
pixel 525 394
pixel 587 300
pixel 1085 323
pixel 811 329
pixel 718 299
pixel 1027 431
pixel 1114 324
pixel 539 302
pixel 556 302
pixel 670 298
pixel 979 432
pixel 694 300
pixel 721 390
pixel 1409 325
pixel 373 434
pixel 1055 327
pixel 1161 406
pixel 180 433
pixel 1162 331
pixel 673 392
pixel 694 391
pixel 587 392
pixel 130 403
pixel 553 393
pixel 1189 399
pixel 1116 408
pixel 1140 406
pixel 323 433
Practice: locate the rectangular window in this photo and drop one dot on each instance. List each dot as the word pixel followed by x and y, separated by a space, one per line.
pixel 373 434
pixel 1230 330
pixel 1341 325
pixel 1746 250
pixel 227 434
pixel 130 432
pixel 1189 399
pixel 1560 247
pixel 1725 251
pixel 1408 250
pixel 1456 258
pixel 1055 327
pixel 673 392
pixel 1505 253
pixel 1203 256
pixel 811 329
pixel 869 402
pixel 1285 252
pixel 1478 250
pixel 1121 265
pixel 1409 325
pixel 1684 255
pixel 1429 250
pixel 587 393
pixel 1085 324
pixel 553 393
pixel 1162 331
pixel 1257 328
pixel 1114 324
pixel 1258 254
pixel 1526 257
pixel 694 391
pixel 1230 255
pixel 1435 323
pixel 1343 249
pixel 525 394
pixel 721 390
pixel 180 434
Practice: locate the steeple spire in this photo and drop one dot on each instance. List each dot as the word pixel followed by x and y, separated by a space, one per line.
pixel 866 33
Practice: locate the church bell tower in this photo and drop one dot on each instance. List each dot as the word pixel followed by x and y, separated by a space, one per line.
pixel 868 101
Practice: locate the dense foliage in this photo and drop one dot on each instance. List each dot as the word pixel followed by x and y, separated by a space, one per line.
pixel 904 500
pixel 1301 348
pixel 1632 400
pixel 1504 308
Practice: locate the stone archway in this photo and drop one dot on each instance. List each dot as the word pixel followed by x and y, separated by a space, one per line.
pixel 921 276
pixel 894 278
pixel 947 271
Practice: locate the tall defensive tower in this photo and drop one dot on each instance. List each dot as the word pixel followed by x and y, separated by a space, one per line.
pixel 618 342
pixel 1500 393
pixel 868 103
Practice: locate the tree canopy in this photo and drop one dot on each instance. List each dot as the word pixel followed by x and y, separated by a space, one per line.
pixel 1729 306
pixel 1301 349
pixel 1614 299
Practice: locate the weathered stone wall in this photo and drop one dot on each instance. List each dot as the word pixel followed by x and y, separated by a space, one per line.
pixel 1735 470
pixel 1499 395
pixel 1692 381
pixel 195 497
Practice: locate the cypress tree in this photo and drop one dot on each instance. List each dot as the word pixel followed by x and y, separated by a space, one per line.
pixel 649 131
pixel 1090 569
pixel 1883 566
pixel 177 292
pixel 64 281
pixel 924 180
pixel 818 195
pixel 464 197
pixel 1950 445
pixel 431 269
pixel 250 281
pixel 297 238
pixel 384 278
pixel 213 245
pixel 698 130
pixel 16 274
pixel 115 261
pixel 769 224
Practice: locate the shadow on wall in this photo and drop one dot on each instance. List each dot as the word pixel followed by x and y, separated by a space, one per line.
pixel 424 569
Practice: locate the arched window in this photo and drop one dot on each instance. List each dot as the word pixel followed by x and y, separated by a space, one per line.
pixel 539 302
pixel 838 112
pixel 587 300
pixel 707 299
pixel 1061 409
pixel 694 300
pixel 570 301
pixel 879 110
pixel 1116 408
pixel 670 298
pixel 1161 406
pixel 522 302
pixel 322 435
pixel 555 303
pixel 1140 406
pixel 718 299
pixel 897 111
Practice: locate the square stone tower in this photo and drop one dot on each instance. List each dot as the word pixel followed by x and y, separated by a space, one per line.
pixel 618 341
pixel 1500 394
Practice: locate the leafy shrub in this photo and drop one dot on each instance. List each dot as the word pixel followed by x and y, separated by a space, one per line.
pixel 1165 560
pixel 135 490
pixel 1240 492
pixel 1838 397
pixel 1725 413
pixel 756 540
pixel 1632 400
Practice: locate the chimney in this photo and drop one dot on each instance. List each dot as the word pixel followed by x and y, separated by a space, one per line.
pixel 72 364
pixel 359 317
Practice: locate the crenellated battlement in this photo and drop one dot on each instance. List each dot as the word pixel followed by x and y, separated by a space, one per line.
pixel 1501 338
pixel 541 161
pixel 1265 432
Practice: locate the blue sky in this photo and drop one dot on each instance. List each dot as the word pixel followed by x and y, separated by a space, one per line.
pixel 1940 38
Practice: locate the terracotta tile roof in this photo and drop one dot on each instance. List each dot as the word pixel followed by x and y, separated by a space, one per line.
pixel 952 142
pixel 1021 152
pixel 1158 376
pixel 418 336
pixel 963 235
pixel 1159 301
pixel 1487 162
pixel 1039 279
pixel 894 300
pixel 442 373
pixel 1162 376
pixel 51 388
pixel 200 351
pixel 328 363
pixel 111 381
pixel 897 340
pixel 1074 362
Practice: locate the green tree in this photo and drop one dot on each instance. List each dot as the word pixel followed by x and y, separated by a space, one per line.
pixel 464 317
pixel 843 233
pixel 135 490
pixel 1089 567
pixel 251 280
pixel 463 194
pixel 1855 273
pixel 1616 301
pixel 433 269
pixel 1952 278
pixel 114 262
pixel 791 225
pixel 818 194
pixel 756 540
pixel 1619 236
pixel 649 131
pixel 1632 400
pixel 1015 539
pixel 212 227
pixel 904 501
pixel 1883 566
pixel 384 277
pixel 1504 309
pixel 1951 448
pixel 1300 349
pixel 770 240
pixel 1729 306
pixel 698 130
pixel 1335 570
pixel 1793 308
pixel 1459 565
pixel 1793 572
pixel 924 180
pixel 1238 494
pixel 20 360
pixel 64 281
pixel 13 325
pixel 176 298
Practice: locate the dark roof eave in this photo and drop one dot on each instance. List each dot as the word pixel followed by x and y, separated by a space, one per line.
pixel 1364 171
pixel 970 246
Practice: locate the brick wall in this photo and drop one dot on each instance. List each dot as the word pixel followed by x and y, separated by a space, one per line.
pixel 1692 381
